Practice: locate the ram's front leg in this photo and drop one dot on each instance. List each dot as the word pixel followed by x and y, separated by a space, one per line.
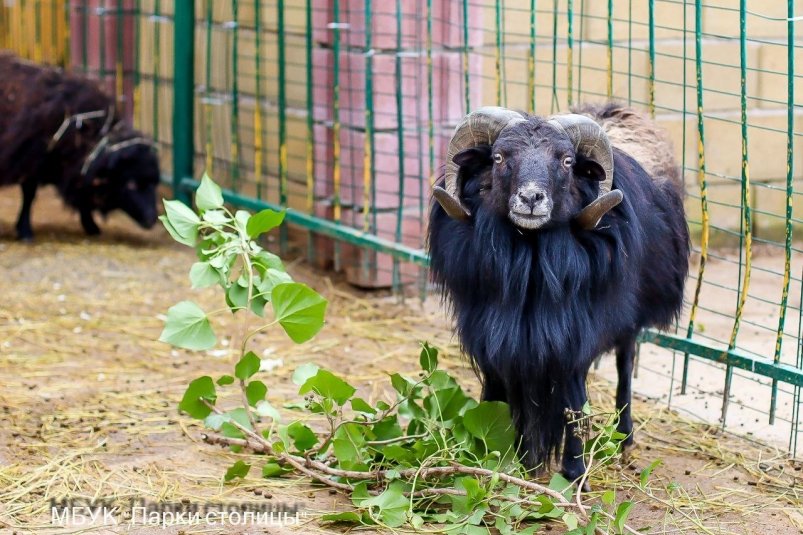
pixel 625 356
pixel 24 230
pixel 573 465
pixel 88 222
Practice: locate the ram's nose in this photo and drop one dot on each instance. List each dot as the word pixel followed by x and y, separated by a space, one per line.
pixel 532 197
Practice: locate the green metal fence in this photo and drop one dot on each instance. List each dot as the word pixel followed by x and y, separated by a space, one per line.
pixel 340 111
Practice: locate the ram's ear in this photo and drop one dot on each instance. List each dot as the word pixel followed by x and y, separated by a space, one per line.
pixel 588 169
pixel 474 157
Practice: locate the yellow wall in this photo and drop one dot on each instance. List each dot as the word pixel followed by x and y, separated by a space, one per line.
pixel 35 30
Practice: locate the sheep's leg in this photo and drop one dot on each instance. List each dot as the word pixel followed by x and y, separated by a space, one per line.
pixel 573 465
pixel 88 222
pixel 24 230
pixel 625 355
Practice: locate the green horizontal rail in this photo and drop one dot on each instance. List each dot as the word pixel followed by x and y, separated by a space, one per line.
pixel 322 226
pixel 733 357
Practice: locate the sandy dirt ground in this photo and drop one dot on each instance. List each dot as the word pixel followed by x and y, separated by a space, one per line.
pixel 88 396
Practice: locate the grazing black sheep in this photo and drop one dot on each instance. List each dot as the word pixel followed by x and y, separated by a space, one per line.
pixel 555 240
pixel 61 129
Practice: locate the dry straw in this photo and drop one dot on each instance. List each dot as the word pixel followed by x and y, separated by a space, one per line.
pixel 88 404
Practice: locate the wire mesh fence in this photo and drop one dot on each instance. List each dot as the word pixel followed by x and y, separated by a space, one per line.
pixel 341 110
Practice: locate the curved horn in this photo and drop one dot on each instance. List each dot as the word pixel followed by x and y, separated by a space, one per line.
pixel 590 139
pixel 478 127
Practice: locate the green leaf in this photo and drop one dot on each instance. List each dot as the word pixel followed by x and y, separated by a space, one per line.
pixel 329 386
pixel 439 379
pixel 270 279
pixel 346 516
pixel 216 217
pixel 474 492
pixel 236 297
pixel 645 474
pixel 273 469
pixel 345 451
pixel 247 366
pixel 258 305
pixel 241 218
pixel 621 516
pixel 263 222
pixel 225 380
pixel 255 392
pixel 447 403
pixel 263 408
pixel 181 222
pixel 208 196
pixel 591 526
pixel 304 372
pixel 238 469
pixel 387 428
pixel 266 260
pixel 360 405
pixel 571 521
pixel 299 309
pixel 202 275
pixel 395 452
pixel 200 389
pixel 223 261
pixel 303 437
pixel 214 421
pixel 428 358
pixel 188 327
pixel 503 525
pixel 490 422
pixel 389 507
pixel 401 384
pixel 173 232
pixel 560 484
pixel 347 445
pixel 547 506
pixel 240 416
pixel 608 497
pixel 475 530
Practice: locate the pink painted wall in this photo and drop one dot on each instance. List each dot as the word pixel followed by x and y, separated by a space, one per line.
pixel 95 23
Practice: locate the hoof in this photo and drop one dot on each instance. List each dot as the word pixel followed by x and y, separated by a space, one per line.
pixel 628 447
pixel 575 479
pixel 25 239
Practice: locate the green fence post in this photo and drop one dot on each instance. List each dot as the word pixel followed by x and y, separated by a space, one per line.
pixel 183 96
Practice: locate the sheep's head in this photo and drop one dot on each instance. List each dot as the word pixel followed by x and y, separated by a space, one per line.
pixel 532 170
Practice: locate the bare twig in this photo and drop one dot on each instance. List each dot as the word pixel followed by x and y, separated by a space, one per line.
pixel 394 440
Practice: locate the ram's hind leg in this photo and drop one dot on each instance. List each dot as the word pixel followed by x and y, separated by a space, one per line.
pixel 625 355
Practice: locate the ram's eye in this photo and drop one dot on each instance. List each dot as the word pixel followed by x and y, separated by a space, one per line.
pixel 498 158
pixel 568 161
